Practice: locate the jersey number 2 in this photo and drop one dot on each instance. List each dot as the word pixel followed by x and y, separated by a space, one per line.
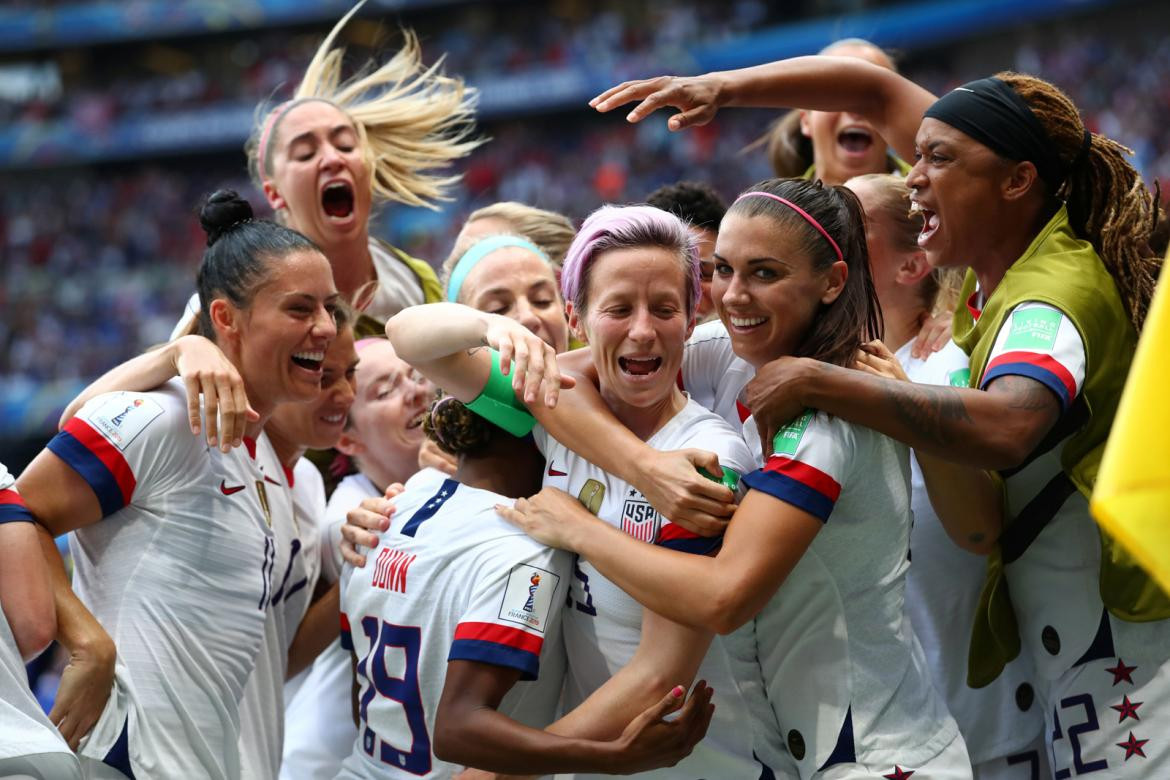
pixel 404 690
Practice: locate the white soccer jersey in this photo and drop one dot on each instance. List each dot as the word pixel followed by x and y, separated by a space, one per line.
pixel 179 573
pixel 942 596
pixel 603 625
pixel 450 580
pixel 713 375
pixel 293 576
pixel 25 732
pixel 832 657
pixel 308 496
pixel 319 730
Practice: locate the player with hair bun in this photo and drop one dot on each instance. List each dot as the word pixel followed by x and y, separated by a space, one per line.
pixel 174 544
pixel 467 603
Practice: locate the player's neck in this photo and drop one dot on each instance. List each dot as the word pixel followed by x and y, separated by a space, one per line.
pixel 900 324
pixel 509 470
pixel 353 265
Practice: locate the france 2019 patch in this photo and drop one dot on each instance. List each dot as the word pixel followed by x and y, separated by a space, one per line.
pixel 1033 329
pixel 528 598
pixel 121 418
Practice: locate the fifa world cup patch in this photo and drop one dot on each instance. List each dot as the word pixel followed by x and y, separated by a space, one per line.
pixel 1033 329
pixel 120 419
pixel 788 438
pixel 529 596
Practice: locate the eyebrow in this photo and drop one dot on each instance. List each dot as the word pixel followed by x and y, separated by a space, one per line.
pixel 754 260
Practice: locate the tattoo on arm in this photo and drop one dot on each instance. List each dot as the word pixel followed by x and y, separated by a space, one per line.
pixel 1025 394
pixel 929 410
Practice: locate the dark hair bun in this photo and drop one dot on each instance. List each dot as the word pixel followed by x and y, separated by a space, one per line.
pixel 455 428
pixel 222 211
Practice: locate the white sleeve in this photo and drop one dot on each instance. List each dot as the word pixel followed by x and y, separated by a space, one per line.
pixel 1040 342
pixel 707 357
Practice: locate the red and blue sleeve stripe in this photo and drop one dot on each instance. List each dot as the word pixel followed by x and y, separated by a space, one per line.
pixel 98 462
pixel 675 537
pixel 1043 368
pixel 491 643
pixel 796 483
pixel 12 508
pixel 346 637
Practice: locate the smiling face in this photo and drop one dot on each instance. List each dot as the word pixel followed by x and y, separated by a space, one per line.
pixel 385 428
pixel 957 184
pixel 318 424
pixel 319 176
pixel 844 144
pixel 282 337
pixel 766 289
pixel 635 323
pixel 519 285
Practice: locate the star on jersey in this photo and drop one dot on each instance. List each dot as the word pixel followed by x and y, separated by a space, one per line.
pixel 1133 747
pixel 899 773
pixel 1127 708
pixel 1121 672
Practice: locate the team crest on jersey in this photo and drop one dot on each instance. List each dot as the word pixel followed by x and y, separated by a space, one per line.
pixel 528 599
pixel 639 519
pixel 591 495
pixel 120 420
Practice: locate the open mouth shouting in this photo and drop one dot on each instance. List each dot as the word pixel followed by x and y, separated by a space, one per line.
pixel 337 200
pixel 311 361
pixel 930 221
pixel 855 140
pixel 639 368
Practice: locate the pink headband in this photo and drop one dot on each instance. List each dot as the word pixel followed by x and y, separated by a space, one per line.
pixel 266 133
pixel 361 344
pixel 807 217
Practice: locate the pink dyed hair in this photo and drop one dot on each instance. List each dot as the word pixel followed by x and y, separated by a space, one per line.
pixel 624 227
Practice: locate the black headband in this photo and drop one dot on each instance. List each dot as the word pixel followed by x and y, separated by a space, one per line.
pixel 996 116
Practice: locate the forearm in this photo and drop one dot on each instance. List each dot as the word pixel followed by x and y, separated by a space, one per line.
pixel 968 502
pixel 894 104
pixel 26 588
pixel 77 628
pixel 486 739
pixel 145 372
pixel 423 334
pixel 317 629
pixel 964 426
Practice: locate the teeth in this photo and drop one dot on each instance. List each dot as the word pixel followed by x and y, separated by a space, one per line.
pixel 333 418
pixel 310 355
pixel 916 207
pixel 747 322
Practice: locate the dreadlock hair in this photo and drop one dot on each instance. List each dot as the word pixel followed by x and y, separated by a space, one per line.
pixel 1108 203
pixel 410 119
pixel 456 429
pixel 839 328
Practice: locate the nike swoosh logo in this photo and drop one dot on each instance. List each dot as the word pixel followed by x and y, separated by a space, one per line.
pixel 273 481
pixel 227 491
pixel 552 472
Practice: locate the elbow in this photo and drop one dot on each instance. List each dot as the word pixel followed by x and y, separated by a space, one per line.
pixel 729 608
pixel 1007 447
pixel 978 544
pixel 449 738
pixel 34 631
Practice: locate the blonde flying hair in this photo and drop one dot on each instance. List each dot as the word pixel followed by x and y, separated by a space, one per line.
pixel 410 119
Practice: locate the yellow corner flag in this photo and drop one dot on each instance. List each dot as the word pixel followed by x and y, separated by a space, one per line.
pixel 1131 499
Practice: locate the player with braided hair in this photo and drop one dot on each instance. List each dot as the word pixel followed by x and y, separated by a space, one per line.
pixel 1055 225
pixel 470 603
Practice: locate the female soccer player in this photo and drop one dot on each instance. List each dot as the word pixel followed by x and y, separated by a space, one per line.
pixel 1002 722
pixel 338 149
pixel 631 277
pixel 1054 299
pixel 30 746
pixel 812 567
pixel 464 604
pixel 180 569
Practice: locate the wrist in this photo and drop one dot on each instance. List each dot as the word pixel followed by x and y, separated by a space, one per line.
pixel 725 92
pixel 807 384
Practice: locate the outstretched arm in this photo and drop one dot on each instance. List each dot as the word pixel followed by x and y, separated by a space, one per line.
pixel 894 104
pixel 763 543
pixel 996 428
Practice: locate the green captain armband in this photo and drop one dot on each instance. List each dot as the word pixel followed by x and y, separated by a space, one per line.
pixel 497 402
pixel 730 479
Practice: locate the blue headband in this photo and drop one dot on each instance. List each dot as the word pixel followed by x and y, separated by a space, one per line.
pixel 478 251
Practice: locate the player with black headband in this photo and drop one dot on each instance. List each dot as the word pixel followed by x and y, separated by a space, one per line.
pixel 1054 223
